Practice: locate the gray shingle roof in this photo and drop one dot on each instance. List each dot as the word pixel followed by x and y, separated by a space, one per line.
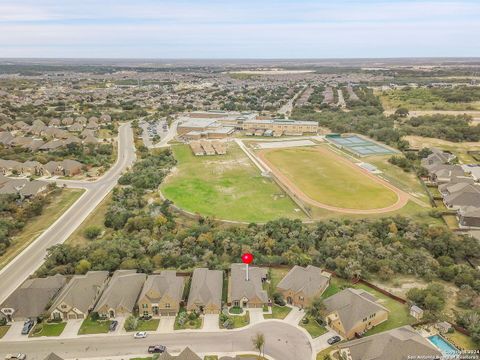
pixel 396 344
pixel 167 283
pixel 81 291
pixel 31 298
pixel 186 354
pixel 311 280
pixel 206 287
pixel 240 288
pixel 122 290
pixel 352 306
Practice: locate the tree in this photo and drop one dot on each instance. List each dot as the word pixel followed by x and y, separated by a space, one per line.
pixel 83 266
pixel 316 308
pixel 92 232
pixel 402 112
pixel 259 343
pixel 131 323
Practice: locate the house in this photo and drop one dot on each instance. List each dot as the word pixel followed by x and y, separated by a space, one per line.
pixel 469 217
pixel 473 171
pixel 247 293
pixel 75 127
pixel 455 184
pixel 186 354
pixel 53 356
pixel 67 121
pixel 302 284
pixel 71 167
pixel 161 294
pixel 352 311
pixel 63 168
pixel 121 294
pixel 22 187
pixel 441 173
pixel 443 326
pixel 6 137
pixel 437 157
pixel 79 296
pixel 397 344
pixel 30 300
pixel 52 145
pixel 416 312
pixel 467 196
pixel 206 291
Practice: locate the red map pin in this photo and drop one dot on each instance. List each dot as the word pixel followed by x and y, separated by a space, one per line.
pixel 247 258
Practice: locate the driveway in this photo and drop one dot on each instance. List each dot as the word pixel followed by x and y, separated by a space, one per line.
pixel 256 315
pixel 210 322
pixel 166 324
pixel 71 329
pixel 320 343
pixel 294 316
pixel 15 332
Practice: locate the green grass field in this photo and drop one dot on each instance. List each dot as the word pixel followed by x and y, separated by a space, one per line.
pixel 313 328
pixel 90 326
pixel 278 312
pixel 46 329
pixel 318 172
pixel 227 187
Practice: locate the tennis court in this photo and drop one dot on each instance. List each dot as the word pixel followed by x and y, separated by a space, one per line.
pixel 360 146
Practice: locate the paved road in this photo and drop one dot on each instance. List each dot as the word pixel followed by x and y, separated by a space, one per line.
pixel 282 342
pixel 12 275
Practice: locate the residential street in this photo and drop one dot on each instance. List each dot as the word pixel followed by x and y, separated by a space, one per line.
pixel 282 342
pixel 12 275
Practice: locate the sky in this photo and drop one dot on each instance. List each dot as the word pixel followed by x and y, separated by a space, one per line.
pixel 239 28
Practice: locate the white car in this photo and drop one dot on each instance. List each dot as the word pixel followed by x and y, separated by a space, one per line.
pixel 140 335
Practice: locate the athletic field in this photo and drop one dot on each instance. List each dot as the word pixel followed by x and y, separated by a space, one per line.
pixel 321 177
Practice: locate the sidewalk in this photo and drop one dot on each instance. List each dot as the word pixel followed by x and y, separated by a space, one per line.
pixel 294 316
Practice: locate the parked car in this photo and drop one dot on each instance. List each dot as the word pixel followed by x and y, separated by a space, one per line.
pixel 27 326
pixel 333 340
pixel 156 349
pixel 18 356
pixel 140 335
pixel 113 325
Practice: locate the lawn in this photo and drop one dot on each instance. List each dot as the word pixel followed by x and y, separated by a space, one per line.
pixel 95 218
pixel 406 181
pixel 189 323
pixel 48 329
pixel 398 315
pixel 226 187
pixel 238 320
pixel 59 204
pixel 313 328
pixel 459 149
pixel 451 221
pixel 276 274
pixel 461 341
pixel 3 330
pixel 146 325
pixel 90 326
pixel 329 178
pixel 278 312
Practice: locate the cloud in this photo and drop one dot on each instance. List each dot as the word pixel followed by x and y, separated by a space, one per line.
pixel 180 28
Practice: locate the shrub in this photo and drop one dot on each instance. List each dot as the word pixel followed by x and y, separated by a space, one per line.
pixel 92 232
pixel 131 323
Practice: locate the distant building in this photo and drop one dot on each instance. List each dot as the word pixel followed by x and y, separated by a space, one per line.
pixel 281 126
